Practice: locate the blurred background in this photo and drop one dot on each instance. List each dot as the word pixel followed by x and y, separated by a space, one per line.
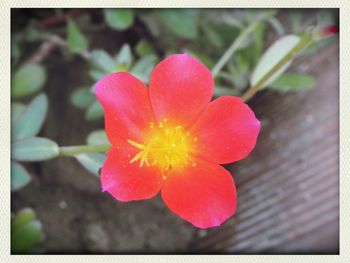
pixel 288 187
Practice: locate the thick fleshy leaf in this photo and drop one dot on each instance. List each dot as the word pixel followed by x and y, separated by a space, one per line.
pixel 180 88
pixel 212 36
pixel 75 38
pixel 152 23
pixel 27 236
pixel 26 231
pixel 295 20
pixel 32 32
pixel 16 110
pixel 91 161
pixel 128 112
pixel 29 123
pixel 119 19
pixel 82 98
pixel 258 45
pixel 16 49
pixel 22 217
pixel 97 137
pixel 273 56
pixel 204 195
pixel 293 82
pixel 124 57
pixel 143 67
pixel 144 47
pixel 28 79
pixel 179 21
pixel 94 111
pixel 277 26
pixel 19 176
pixel 205 59
pixel 96 75
pixel 104 61
pixel 34 149
pixel 127 181
pixel 226 131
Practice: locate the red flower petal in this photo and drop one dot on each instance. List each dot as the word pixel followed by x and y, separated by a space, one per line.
pixel 125 181
pixel 204 195
pixel 128 111
pixel 180 88
pixel 226 131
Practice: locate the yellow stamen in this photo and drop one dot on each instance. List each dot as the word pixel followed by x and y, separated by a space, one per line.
pixel 136 157
pixel 166 147
pixel 137 145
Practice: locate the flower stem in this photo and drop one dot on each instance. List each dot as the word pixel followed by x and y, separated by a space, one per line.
pixel 71 151
pixel 237 44
pixel 304 42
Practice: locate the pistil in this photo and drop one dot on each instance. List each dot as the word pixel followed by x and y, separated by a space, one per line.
pixel 167 146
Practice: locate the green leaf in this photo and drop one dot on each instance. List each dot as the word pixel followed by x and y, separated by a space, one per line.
pixel 271 57
pixel 31 33
pixel 295 19
pixel 97 137
pixel 96 75
pixel 293 81
pixel 213 37
pixel 16 110
pixel 242 63
pixel 19 176
pixel 34 149
pixel 30 121
pixel 104 61
pixel 16 50
pixel 94 111
pixel 144 48
pixel 258 45
pixel 27 236
pixel 240 81
pixel 143 67
pixel 221 91
pixel 91 161
pixel 226 33
pixel 232 21
pixel 325 17
pixel 119 19
pixel 317 46
pixel 202 57
pixel 28 79
pixel 124 57
pixel 151 22
pixel 276 24
pixel 22 217
pixel 82 98
pixel 179 22
pixel 76 40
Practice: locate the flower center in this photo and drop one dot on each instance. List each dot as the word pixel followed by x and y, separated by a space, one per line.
pixel 167 147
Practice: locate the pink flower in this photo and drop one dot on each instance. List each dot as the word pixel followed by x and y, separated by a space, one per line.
pixel 171 138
